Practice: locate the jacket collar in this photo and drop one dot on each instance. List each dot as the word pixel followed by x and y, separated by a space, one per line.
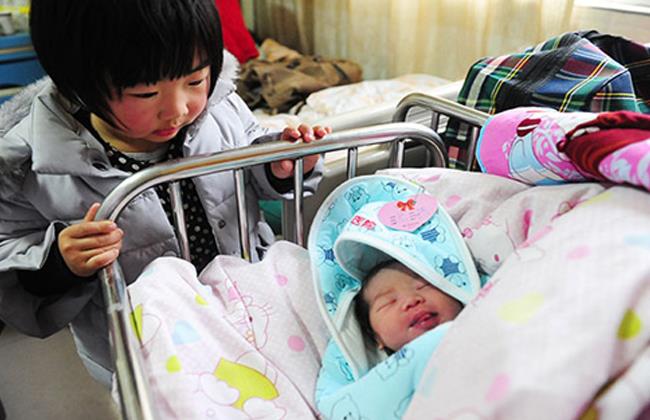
pixel 60 144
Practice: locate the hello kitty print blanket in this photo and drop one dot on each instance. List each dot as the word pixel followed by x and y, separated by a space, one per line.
pixel 560 331
pixel 240 341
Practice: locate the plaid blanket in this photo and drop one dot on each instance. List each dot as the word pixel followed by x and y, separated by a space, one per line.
pixel 576 71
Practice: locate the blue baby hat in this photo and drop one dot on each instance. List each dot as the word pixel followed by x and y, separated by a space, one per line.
pixel 371 219
pixel 415 231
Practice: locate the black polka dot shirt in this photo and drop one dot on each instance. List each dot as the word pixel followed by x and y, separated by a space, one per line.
pixel 203 247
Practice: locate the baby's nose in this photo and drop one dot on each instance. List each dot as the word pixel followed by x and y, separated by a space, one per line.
pixel 412 301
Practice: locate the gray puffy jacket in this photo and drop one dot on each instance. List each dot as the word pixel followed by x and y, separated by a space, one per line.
pixel 52 169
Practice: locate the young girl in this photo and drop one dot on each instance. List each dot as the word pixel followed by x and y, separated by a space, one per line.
pixel 392 271
pixel 133 82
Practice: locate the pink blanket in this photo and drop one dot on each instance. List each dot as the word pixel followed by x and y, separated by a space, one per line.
pixel 561 330
pixel 542 146
pixel 241 341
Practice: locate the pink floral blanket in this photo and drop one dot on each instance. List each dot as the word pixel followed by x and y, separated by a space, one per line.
pixel 561 330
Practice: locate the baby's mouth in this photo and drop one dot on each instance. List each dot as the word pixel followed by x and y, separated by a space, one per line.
pixel 425 320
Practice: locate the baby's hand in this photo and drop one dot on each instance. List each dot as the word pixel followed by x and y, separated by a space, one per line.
pixel 90 245
pixel 284 168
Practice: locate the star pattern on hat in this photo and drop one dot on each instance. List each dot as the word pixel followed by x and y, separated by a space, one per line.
pixel 328 254
pixel 449 267
pixel 430 235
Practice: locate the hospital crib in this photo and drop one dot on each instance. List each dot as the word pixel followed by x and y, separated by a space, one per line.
pixel 132 388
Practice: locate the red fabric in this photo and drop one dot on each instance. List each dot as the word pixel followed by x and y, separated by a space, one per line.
pixel 616 119
pixel 236 37
pixel 617 130
pixel 588 150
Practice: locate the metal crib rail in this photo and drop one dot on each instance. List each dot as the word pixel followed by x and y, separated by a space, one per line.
pixel 132 387
pixel 474 118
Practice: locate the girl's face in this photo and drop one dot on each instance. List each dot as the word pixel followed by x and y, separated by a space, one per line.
pixel 149 115
pixel 404 306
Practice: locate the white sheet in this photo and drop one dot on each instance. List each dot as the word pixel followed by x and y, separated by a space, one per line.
pixel 356 104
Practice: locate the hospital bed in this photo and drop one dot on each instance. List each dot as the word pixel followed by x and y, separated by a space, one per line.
pixel 603 366
pixel 532 239
pixel 67 390
pixel 551 278
pixel 519 234
pixel 132 385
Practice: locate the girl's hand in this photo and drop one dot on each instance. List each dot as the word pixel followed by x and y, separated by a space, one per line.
pixel 90 245
pixel 284 168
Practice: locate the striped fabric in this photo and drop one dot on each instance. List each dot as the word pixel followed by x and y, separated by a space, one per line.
pixel 576 71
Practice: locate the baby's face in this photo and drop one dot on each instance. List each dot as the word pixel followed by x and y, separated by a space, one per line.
pixel 404 306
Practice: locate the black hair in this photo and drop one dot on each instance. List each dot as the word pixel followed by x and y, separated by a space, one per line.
pixel 361 307
pixel 89 47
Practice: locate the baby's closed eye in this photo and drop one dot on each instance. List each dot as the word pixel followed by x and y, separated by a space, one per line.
pixel 384 303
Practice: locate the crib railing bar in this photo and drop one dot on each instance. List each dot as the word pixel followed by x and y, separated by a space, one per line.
pixel 435 121
pixel 179 219
pixel 137 403
pixel 286 221
pixel 464 154
pixel 435 125
pixel 397 154
pixel 240 197
pixel 131 384
pixel 298 198
pixel 259 154
pixel 441 106
pixel 472 138
pixel 353 162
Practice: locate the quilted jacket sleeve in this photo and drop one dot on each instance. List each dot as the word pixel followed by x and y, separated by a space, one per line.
pixel 26 239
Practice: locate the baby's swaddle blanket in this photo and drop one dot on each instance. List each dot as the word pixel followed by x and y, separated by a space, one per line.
pixel 384 392
pixel 364 222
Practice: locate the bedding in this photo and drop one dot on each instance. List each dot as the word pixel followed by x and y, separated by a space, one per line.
pixel 347 105
pixel 221 346
pixel 357 99
pixel 544 146
pixel 560 330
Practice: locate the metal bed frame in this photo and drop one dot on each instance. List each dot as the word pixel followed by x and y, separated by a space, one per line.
pixel 135 400
pixel 441 110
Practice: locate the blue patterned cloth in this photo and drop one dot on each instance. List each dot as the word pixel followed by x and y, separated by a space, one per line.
pixel 365 221
pixel 385 391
